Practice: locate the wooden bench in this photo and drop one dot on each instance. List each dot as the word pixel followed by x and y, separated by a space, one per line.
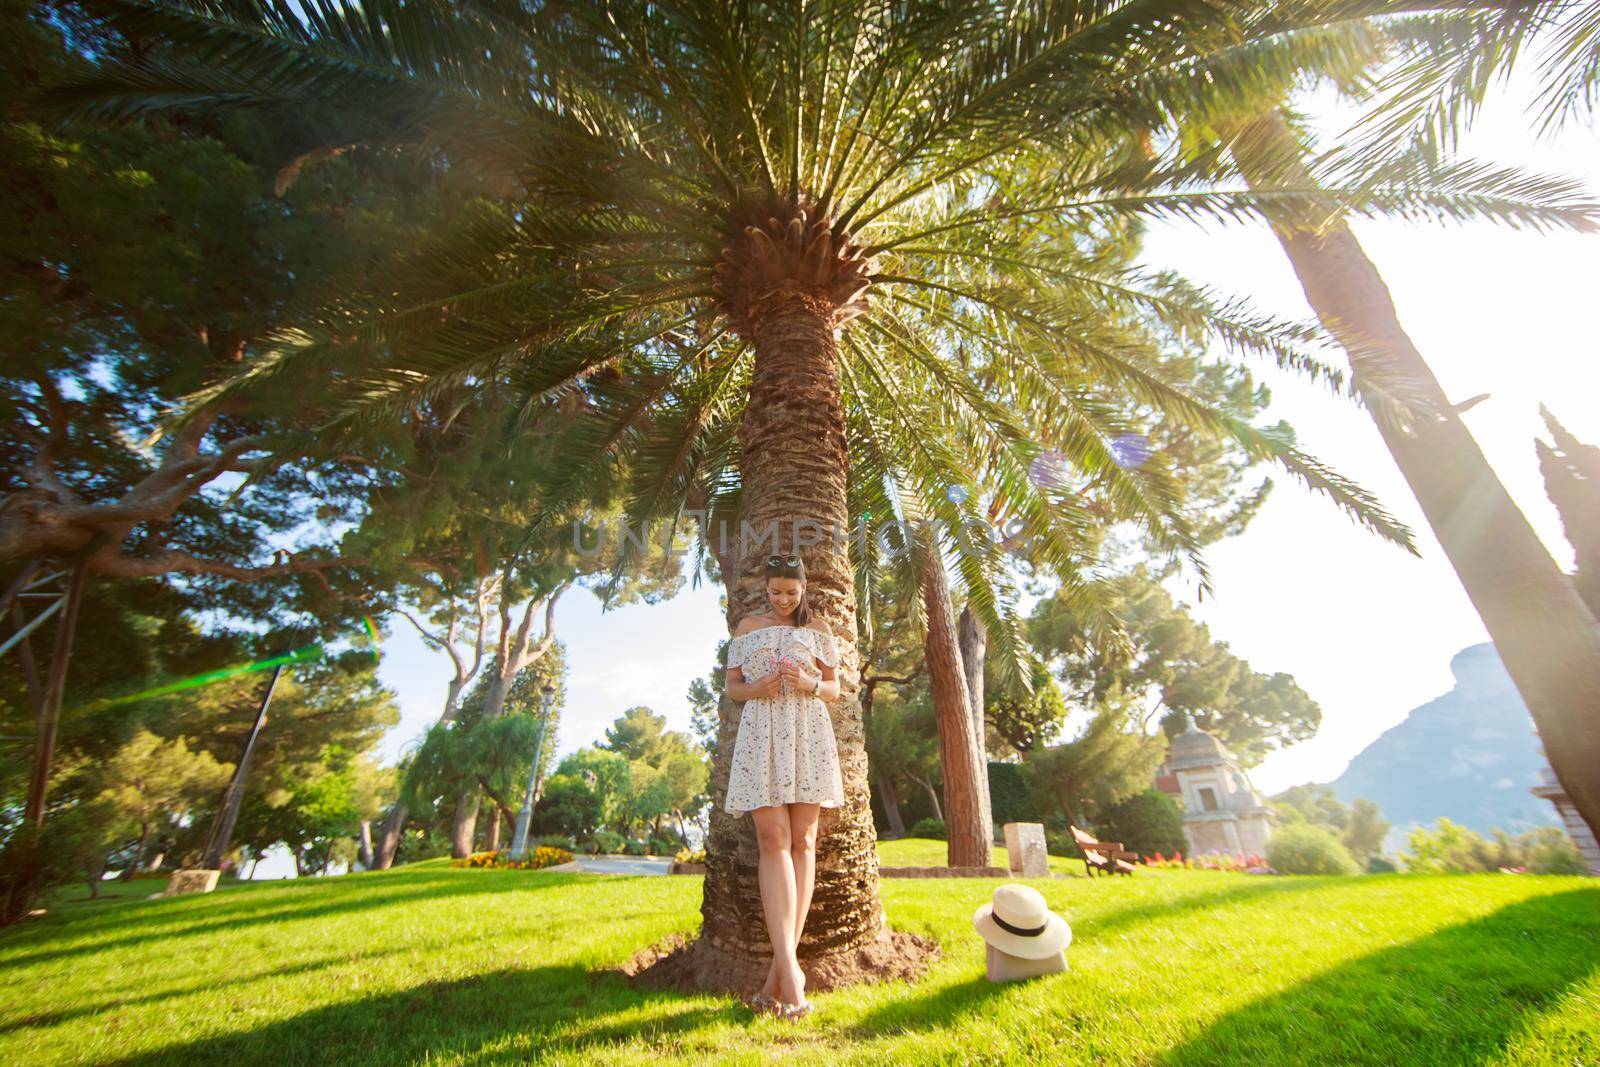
pixel 1108 857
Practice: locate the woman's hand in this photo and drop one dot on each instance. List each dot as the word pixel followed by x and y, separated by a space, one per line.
pixel 798 676
pixel 769 686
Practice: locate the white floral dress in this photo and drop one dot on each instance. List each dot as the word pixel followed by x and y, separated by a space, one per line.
pixel 785 752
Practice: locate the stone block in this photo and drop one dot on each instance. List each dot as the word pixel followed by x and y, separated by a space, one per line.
pixel 195 881
pixel 1026 849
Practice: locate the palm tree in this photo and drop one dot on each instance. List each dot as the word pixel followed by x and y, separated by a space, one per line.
pixel 1440 67
pixel 801 262
pixel 1546 635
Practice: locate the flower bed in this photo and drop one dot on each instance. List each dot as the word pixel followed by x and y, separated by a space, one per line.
pixel 687 862
pixel 1240 862
pixel 543 856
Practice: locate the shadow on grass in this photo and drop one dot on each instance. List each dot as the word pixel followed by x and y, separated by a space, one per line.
pixel 208 984
pixel 1455 996
pixel 440 1019
pixel 943 1009
pixel 168 919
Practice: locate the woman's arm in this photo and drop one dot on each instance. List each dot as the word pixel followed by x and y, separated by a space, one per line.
pixel 828 689
pixel 734 684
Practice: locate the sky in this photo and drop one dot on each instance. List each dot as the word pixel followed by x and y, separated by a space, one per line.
pixel 1365 628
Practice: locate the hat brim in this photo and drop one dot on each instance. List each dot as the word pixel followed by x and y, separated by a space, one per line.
pixel 1057 935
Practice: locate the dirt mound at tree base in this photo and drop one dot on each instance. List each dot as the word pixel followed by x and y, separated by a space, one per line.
pixel 687 966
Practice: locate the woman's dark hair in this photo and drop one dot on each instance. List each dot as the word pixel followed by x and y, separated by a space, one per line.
pixel 791 567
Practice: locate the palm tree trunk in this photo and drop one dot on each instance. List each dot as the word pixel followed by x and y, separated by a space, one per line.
pixel 794 466
pixel 1547 638
pixel 891 805
pixel 967 833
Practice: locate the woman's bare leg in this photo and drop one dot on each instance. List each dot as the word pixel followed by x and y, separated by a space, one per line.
pixel 776 876
pixel 803 855
pixel 803 851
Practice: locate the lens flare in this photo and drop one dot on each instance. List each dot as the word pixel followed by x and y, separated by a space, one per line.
pixel 372 632
pixel 300 655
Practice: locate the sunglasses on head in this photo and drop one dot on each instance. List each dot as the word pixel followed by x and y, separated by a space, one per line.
pixel 783 561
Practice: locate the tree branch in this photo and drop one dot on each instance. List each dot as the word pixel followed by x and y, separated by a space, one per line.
pixel 119 566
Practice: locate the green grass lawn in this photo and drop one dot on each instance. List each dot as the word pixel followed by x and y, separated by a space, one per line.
pixel 432 964
pixel 922 852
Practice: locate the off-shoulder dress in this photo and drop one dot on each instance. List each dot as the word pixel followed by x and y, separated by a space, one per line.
pixel 785 751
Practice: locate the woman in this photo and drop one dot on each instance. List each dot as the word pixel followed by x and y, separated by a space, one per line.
pixel 785 762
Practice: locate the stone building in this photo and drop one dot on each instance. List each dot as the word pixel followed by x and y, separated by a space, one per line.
pixel 1222 812
pixel 1550 789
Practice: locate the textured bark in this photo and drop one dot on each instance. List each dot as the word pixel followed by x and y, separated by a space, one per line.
pixel 465 825
pixel 974 640
pixel 794 466
pixel 395 823
pixel 1571 472
pixel 967 840
pixel 1545 634
pixel 933 796
pixel 891 805
pixel 389 838
pixel 55 689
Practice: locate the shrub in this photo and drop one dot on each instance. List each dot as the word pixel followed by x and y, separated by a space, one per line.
pixel 634 847
pixel 70 847
pixel 418 845
pixel 929 828
pixel 660 846
pixel 1551 851
pixel 1380 865
pixel 1057 843
pixel 1450 847
pixel 686 856
pixel 567 806
pixel 608 841
pixel 554 841
pixel 1009 799
pixel 1145 823
pixel 1301 848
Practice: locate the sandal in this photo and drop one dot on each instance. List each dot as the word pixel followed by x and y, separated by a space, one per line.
pixel 763 1004
pixel 794 1011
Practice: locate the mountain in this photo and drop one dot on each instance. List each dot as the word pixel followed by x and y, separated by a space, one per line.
pixel 1470 755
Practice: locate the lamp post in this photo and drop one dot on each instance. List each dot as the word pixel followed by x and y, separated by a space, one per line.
pixel 519 840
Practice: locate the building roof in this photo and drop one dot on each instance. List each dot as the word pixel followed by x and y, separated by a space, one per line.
pixel 1196 748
